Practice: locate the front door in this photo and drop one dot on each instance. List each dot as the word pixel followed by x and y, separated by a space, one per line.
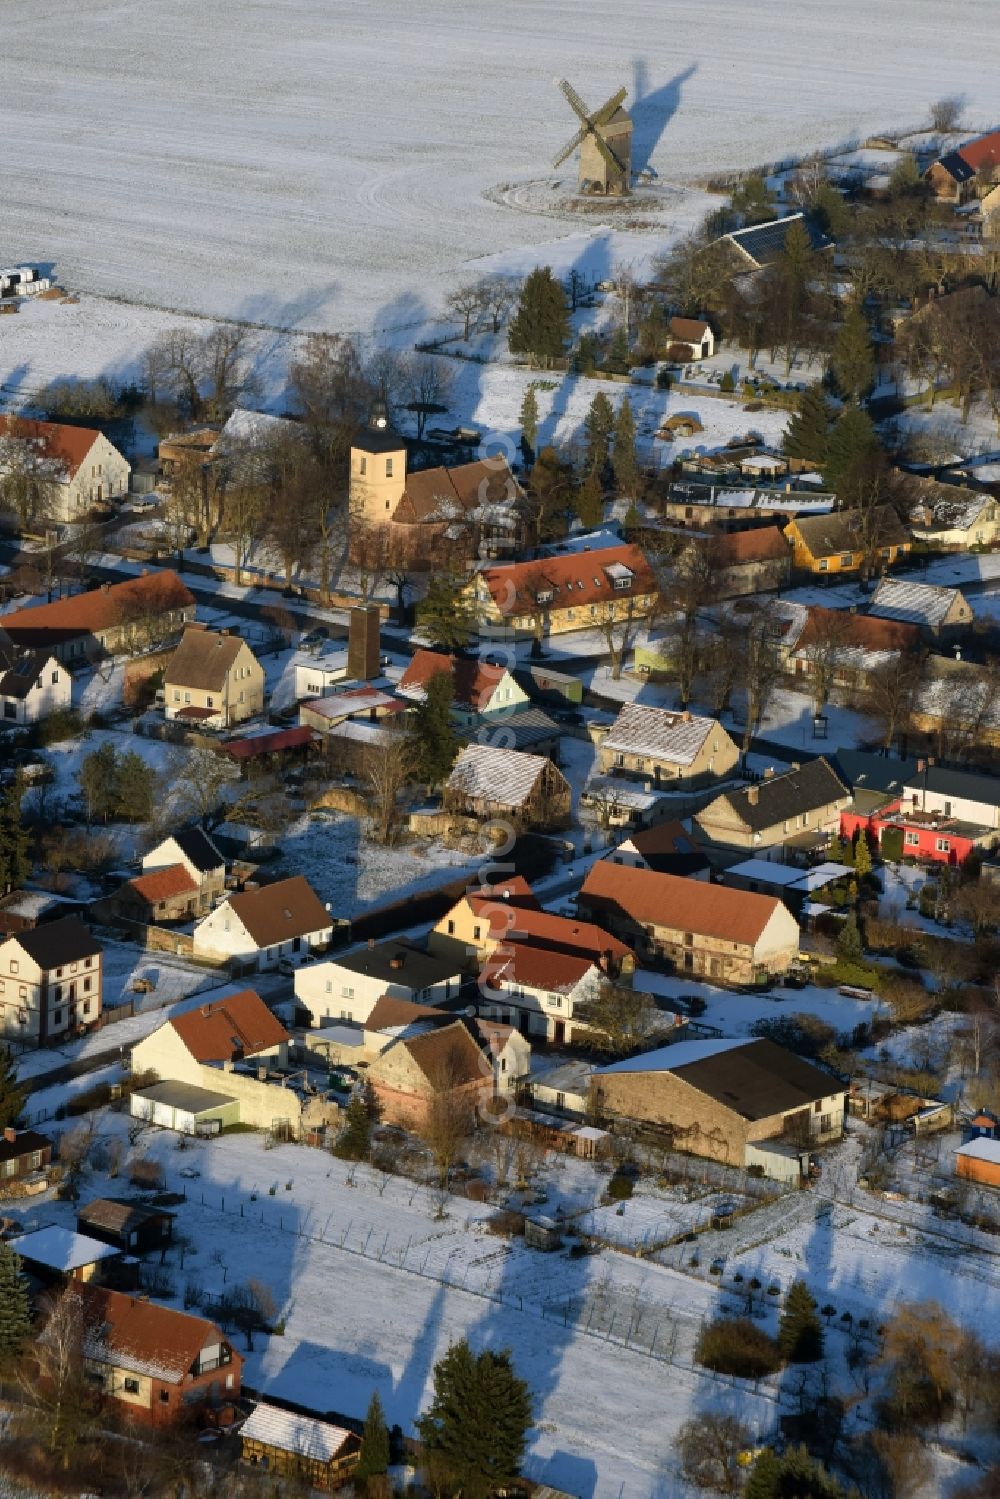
pixel 559 1032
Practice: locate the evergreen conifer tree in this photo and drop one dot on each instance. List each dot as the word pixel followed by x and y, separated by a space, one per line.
pixel 373 1460
pixel 836 851
pixel 475 1430
pixel 445 614
pixel 793 1475
pixel 15 865
pixel 435 741
pixel 632 519
pixel 136 785
pixel 99 782
pixel 800 1332
pixel 849 939
pixel 15 1308
pixel 807 434
pixel 764 1477
pixel 12 1093
pixel 598 426
pixel 529 417
pixel 852 359
pixel 355 1137
pixel 862 856
pixel 852 439
pixel 589 500
pixel 623 462
pixel 540 326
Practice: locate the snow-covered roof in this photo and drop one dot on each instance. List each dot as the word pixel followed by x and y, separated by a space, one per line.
pixel 254 426
pixel 658 734
pixel 302 1435
pixel 915 603
pixel 620 793
pixel 503 776
pixel 981 1150
pixel 666 1058
pixel 61 1248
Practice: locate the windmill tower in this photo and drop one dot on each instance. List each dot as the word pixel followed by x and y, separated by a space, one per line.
pixel 605 142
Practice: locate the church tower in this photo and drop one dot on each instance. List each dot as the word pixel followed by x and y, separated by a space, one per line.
pixel 378 469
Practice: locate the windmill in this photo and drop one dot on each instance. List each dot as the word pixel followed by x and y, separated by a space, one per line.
pixel 605 141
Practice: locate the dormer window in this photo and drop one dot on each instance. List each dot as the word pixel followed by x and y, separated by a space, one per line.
pixel 544 596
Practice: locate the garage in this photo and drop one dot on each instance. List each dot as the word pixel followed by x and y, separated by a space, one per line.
pixel 185 1108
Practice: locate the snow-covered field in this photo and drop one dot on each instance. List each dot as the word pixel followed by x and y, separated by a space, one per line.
pixel 326 165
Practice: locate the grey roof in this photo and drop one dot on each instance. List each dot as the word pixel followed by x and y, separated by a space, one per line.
pixel 914 603
pixel 55 943
pixel 197 846
pixel 763 243
pixel 519 731
pixel 755 1079
pixel 968 784
pixel 813 785
pixel 658 734
pixel 186 1096
pixel 400 961
pixel 867 772
pixel 379 440
pixel 503 777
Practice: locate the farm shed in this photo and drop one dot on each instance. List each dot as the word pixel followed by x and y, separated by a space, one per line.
pixel 184 1107
pixel 979 1161
pixel 132 1227
pixel 58 1254
pixel 290 1445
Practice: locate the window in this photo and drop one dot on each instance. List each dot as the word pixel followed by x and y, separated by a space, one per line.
pixel 451 929
pixel 164 1397
pixel 846 558
pixel 823 565
pixel 388 468
pixel 57 1018
pixel 86 1008
pixel 363 465
pixel 177 696
pixel 825 1123
pixel 346 993
pixel 475 933
pixel 209 702
pixel 688 939
pixel 13 965
pixel 943 846
pixel 817 1106
pixel 131 1386
pixel 913 839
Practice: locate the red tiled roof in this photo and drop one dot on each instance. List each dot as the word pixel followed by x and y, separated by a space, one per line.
pixel 983 152
pixel 52 440
pixel 648 898
pixel 444 493
pixel 512 892
pixel 163 884
pixel 662 838
pixel 139 1335
pixel 574 580
pixel 85 613
pixel 197 715
pixel 767 544
pixel 857 631
pixel 538 967
pixel 510 923
pixel 240 1025
pixel 473 682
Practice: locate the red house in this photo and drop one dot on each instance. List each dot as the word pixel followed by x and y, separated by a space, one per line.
pixel 937 840
pixel 158 1365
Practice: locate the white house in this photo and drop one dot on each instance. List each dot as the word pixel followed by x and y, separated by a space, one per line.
pixel 79 465
pixel 539 990
pixel 257 929
pixel 478 688
pixel 33 684
pixel 50 981
pixel 194 850
pixel 695 333
pixel 349 986
pixel 961 794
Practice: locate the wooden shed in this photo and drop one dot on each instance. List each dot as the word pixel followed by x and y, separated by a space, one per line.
pixel 132 1227
pixel 979 1161
pixel 293 1446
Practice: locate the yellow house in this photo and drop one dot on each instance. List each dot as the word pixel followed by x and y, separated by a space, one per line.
pixel 575 591
pixel 214 679
pixel 847 541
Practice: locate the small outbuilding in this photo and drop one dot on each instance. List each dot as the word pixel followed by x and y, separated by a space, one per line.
pixel 979 1161
pixel 56 1255
pixel 288 1445
pixel 185 1107
pixel 133 1227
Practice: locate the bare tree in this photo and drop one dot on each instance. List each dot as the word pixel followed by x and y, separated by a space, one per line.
pixel 760 668
pixel 619 1018
pixel 225 357
pixel 200 778
pixel 827 633
pixel 710 1448
pixel 333 393
pixel 467 303
pixel 28 477
pixel 946 113
pixel 427 385
pixel 618 623
pixel 500 294
pixel 52 1377
pixel 892 688
pixel 449 1118
pixel 388 769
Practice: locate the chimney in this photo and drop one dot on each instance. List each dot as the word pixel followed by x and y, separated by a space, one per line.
pixel 105 587
pixel 796 765
pixel 753 795
pixel 396 961
pixel 363 643
pixel 769 773
pixel 686 716
pixel 10 1134
pixel 371 944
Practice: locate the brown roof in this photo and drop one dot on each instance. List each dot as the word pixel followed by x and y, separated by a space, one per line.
pixel 473 682
pixel 448 1055
pixel 116 1216
pixel 857 631
pixel 390 1013
pixel 663 838
pixel 142 1336
pixel 649 898
pixel 767 544
pixel 574 580
pixel 53 441
pixel 841 531
pixel 515 892
pixel 288 908
pixel 203 660
pixel 538 967
pixel 448 494
pixel 163 884
pixel 692 330
pixel 238 1026
pixel 55 943
pixel 86 613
